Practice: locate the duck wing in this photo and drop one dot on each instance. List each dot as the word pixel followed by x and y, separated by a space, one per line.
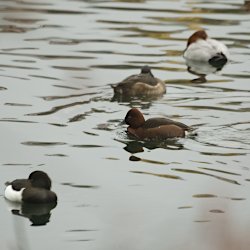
pixel 19 184
pixel 156 122
pixel 131 80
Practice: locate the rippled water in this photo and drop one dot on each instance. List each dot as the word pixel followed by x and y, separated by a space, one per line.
pixel 58 59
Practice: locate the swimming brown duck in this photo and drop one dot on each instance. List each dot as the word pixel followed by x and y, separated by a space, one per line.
pixel 153 128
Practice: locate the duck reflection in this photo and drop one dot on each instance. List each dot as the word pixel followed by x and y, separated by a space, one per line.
pixel 38 214
pixel 139 99
pixel 138 146
pixel 202 69
pixel 144 102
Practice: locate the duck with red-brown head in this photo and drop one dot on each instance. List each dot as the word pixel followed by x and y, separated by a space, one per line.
pixel 200 34
pixel 134 118
pixel 154 128
pixel 201 48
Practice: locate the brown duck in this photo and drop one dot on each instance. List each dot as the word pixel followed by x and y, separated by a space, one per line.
pixel 153 128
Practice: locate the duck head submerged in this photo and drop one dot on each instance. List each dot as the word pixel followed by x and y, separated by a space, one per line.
pixel 203 49
pixel 200 34
pixel 140 85
pixel 35 189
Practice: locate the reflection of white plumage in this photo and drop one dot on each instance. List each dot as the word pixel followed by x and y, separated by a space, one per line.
pixel 203 49
pixel 197 68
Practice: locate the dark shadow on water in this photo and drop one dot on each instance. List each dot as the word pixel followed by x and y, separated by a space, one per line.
pixel 42 144
pixel 2 88
pixel 138 146
pixel 52 98
pixel 197 172
pixel 58 108
pixel 79 185
pixel 167 176
pixel 38 214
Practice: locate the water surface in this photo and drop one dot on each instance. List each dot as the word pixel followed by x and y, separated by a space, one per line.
pixel 58 115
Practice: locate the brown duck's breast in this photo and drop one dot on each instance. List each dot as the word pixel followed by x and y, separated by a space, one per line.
pixel 134 132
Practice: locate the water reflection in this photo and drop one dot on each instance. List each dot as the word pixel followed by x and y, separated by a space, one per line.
pixel 191 171
pixel 167 176
pixel 38 214
pixel 143 100
pixel 202 69
pixel 138 146
pixel 59 57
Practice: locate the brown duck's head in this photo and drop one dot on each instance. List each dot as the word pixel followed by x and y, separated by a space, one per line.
pixel 134 118
pixel 200 34
pixel 40 179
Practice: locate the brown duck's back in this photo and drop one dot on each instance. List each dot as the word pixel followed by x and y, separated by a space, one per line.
pixel 156 122
pixel 135 84
pixel 145 78
pixel 158 133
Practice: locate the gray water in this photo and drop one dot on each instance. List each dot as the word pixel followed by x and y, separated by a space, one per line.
pixel 58 115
